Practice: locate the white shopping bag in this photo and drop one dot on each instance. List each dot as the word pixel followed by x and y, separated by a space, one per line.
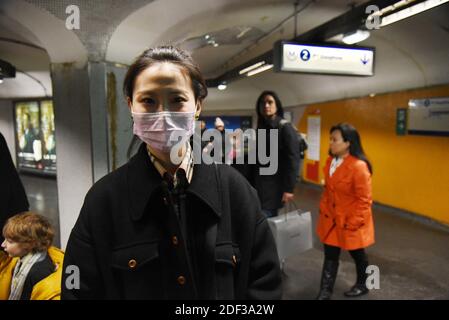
pixel 292 232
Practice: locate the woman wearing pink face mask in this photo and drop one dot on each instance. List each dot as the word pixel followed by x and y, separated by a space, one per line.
pixel 164 226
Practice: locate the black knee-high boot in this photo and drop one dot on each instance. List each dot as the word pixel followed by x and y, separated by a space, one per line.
pixel 360 286
pixel 328 276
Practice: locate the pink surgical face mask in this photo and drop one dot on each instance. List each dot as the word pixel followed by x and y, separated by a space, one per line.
pixel 162 130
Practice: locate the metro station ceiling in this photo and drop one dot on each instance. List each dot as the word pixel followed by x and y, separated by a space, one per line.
pixel 223 34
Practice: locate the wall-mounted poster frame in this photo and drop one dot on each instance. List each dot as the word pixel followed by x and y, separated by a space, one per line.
pixel 428 116
pixel 34 129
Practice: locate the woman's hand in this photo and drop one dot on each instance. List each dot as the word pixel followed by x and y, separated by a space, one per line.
pixel 287 197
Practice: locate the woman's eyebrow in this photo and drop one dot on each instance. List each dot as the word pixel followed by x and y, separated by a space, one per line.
pixel 177 91
pixel 169 91
pixel 144 92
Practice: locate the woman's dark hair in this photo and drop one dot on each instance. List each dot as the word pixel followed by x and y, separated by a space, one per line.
pixel 163 54
pixel 166 54
pixel 350 134
pixel 259 104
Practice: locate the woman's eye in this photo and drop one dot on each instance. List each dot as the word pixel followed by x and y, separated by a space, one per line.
pixel 179 100
pixel 148 101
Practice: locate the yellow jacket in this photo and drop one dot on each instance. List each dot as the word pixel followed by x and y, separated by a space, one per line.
pixel 48 288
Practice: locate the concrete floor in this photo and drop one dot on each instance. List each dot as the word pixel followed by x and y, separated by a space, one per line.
pixel 413 258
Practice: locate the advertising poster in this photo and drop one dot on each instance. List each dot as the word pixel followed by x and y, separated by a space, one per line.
pixel 35 136
pixel 29 149
pixel 48 136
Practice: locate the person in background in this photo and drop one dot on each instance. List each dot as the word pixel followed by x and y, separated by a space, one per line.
pixel 346 220
pixel 203 127
pixel 194 139
pixel 220 126
pixel 276 190
pixel 28 135
pixel 164 226
pixel 33 270
pixel 13 198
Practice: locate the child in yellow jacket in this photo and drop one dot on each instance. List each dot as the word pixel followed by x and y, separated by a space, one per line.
pixel 31 269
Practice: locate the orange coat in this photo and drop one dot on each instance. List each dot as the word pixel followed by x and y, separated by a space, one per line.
pixel 346 219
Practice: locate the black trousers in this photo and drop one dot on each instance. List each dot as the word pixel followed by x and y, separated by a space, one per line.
pixel 361 261
pixel 333 253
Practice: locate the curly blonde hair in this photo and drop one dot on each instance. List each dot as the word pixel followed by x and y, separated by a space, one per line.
pixel 32 230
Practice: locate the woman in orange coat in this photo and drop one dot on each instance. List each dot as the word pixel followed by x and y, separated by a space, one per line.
pixel 345 220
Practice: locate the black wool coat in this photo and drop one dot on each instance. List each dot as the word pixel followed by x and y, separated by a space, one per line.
pixel 13 198
pixel 124 249
pixel 270 188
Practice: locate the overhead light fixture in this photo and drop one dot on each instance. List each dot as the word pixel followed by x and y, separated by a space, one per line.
pixel 222 86
pixel 212 42
pixel 259 70
pixel 254 66
pixel 206 36
pixel 355 37
pixel 410 11
pixel 7 70
pixel 243 32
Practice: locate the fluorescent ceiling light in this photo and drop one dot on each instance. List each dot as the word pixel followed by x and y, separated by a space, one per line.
pixel 354 37
pixel 259 70
pixel 222 86
pixel 1 80
pixel 254 66
pixel 411 11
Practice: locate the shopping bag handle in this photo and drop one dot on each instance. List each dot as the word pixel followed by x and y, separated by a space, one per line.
pixel 287 208
pixel 290 205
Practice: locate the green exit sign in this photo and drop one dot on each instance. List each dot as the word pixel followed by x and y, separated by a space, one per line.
pixel 401 122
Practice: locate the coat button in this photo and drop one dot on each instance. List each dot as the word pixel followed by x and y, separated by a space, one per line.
pixel 181 280
pixel 234 260
pixel 132 263
pixel 174 240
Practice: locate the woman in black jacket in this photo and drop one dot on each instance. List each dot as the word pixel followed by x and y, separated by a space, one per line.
pixel 276 189
pixel 164 226
pixel 13 198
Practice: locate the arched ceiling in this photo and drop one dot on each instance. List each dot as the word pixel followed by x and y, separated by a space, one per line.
pixel 174 21
pixel 411 53
pixel 22 49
